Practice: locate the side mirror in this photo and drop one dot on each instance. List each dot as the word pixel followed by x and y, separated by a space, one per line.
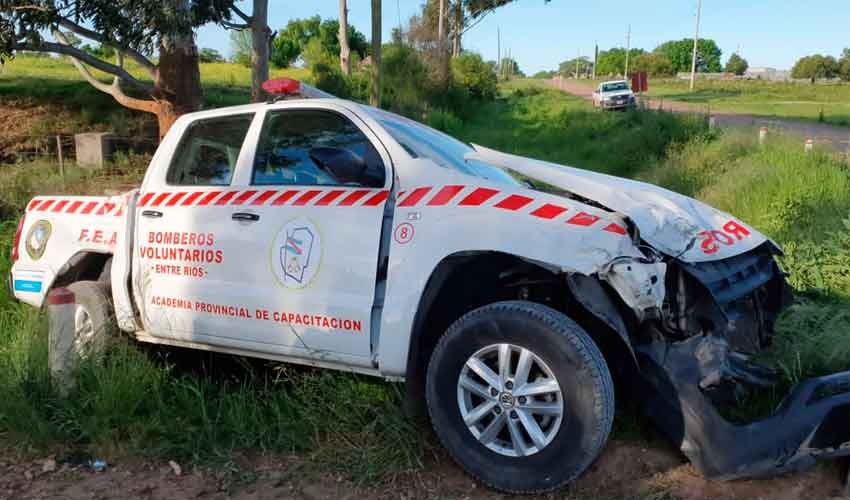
pixel 343 165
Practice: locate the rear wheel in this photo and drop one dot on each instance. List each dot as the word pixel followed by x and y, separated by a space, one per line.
pixel 520 396
pixel 94 321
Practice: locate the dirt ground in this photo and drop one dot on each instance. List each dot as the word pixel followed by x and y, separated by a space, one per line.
pixel 832 136
pixel 626 470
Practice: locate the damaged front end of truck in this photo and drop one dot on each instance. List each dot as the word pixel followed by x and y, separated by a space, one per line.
pixel 702 303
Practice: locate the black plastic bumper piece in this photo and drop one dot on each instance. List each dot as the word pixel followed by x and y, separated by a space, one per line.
pixel 812 422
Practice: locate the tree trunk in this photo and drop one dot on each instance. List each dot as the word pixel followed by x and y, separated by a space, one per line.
pixel 178 80
pixel 442 37
pixel 260 39
pixel 344 49
pixel 458 28
pixel 375 94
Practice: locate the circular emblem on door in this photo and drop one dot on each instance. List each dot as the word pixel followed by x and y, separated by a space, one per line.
pixel 296 253
pixel 37 237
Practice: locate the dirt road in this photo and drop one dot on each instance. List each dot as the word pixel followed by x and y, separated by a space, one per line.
pixel 824 134
pixel 626 470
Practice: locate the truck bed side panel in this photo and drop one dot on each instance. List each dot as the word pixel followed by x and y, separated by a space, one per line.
pixel 56 229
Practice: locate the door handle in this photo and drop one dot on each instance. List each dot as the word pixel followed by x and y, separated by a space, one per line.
pixel 245 217
pixel 152 214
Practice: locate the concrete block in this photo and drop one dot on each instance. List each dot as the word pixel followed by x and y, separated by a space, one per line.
pixel 94 150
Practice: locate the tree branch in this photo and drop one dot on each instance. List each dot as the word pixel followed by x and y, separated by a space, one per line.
pixel 235 26
pixel 79 55
pixel 245 17
pixel 143 61
pixel 115 88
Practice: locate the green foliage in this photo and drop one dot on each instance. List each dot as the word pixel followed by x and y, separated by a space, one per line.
pixel 583 65
pixel 844 65
pixel 471 72
pixel 124 23
pixel 329 79
pixel 737 64
pixel 653 64
pixel 104 52
pixel 241 46
pixel 801 201
pixel 292 42
pixel 680 54
pixel 613 61
pixel 510 68
pixel 444 121
pixel 815 67
pixel 208 55
pixel 540 75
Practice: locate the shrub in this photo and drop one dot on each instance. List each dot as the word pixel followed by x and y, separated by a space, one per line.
pixel 444 121
pixel 471 72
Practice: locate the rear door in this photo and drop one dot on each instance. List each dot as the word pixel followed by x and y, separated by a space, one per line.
pixel 186 256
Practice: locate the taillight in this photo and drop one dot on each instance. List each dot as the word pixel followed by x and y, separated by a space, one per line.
pixel 17 240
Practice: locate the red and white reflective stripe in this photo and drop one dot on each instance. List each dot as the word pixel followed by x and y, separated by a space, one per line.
pixel 291 197
pixel 75 207
pixel 452 195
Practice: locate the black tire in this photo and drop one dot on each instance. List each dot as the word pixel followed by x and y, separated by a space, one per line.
pixel 577 364
pixel 95 299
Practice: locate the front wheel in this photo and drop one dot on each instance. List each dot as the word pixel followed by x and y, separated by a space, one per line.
pixel 520 396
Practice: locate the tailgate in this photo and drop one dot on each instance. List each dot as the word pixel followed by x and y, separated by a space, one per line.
pixel 57 230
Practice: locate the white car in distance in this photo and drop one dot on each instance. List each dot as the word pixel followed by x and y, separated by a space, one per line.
pixel 614 94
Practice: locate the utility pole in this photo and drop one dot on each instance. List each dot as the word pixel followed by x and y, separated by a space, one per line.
pixel 595 58
pixel 694 55
pixel 498 52
pixel 628 49
pixel 578 57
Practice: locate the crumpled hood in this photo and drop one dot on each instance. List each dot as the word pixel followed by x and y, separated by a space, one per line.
pixel 672 223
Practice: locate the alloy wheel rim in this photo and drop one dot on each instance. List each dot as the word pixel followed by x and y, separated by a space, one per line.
pixel 83 330
pixel 510 400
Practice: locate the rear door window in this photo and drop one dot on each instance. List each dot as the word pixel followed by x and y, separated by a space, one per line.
pixel 208 151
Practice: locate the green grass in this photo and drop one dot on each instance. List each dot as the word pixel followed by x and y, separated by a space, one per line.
pixel 824 102
pixel 551 125
pixel 829 103
pixel 802 202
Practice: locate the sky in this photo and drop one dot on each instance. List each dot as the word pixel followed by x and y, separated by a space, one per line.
pixel 539 35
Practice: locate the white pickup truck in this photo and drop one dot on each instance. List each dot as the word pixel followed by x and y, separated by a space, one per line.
pixel 332 234
pixel 615 94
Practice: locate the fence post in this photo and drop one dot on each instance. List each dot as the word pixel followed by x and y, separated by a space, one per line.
pixel 61 305
pixel 810 144
pixel 61 157
pixel 762 135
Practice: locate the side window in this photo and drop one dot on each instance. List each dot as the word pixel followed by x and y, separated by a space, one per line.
pixel 208 151
pixel 315 147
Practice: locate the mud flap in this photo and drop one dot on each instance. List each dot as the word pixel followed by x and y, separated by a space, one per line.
pixel 811 423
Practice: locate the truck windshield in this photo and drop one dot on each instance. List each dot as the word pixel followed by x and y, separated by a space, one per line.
pixel 424 142
pixel 614 86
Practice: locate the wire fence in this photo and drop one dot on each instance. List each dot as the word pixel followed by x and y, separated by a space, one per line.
pixel 62 148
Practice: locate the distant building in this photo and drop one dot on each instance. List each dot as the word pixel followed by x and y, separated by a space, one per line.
pixel 765 73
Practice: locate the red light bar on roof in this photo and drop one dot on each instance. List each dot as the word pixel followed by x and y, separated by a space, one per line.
pixel 287 88
pixel 282 86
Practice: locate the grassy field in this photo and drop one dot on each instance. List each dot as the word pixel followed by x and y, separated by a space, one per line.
pixel 200 408
pixel 827 103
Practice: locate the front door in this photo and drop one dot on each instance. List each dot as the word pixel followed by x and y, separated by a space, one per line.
pixel 310 222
